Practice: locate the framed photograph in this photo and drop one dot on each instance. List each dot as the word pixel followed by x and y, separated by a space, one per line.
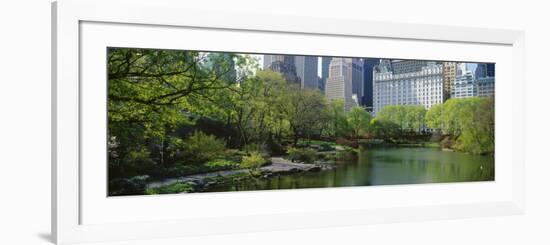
pixel 169 125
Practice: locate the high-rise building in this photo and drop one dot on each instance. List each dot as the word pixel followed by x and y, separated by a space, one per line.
pixel 485 86
pixel 449 77
pixel 480 82
pixel 464 86
pixel 407 82
pixel 306 70
pixel 357 79
pixel 339 82
pixel 481 71
pixel 325 64
pixel 368 68
pixel 321 84
pixel 285 64
pixel 485 70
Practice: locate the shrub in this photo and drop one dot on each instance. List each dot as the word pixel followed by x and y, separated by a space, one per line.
pixel 221 164
pixel 128 186
pixel 254 160
pixel 170 189
pixel 201 148
pixel 305 155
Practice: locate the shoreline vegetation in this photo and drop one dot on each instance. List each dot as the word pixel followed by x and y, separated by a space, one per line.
pixel 183 121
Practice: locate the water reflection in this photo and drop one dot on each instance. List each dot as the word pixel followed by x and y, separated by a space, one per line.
pixel 383 166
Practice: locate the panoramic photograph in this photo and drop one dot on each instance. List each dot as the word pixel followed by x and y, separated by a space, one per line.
pixel 188 121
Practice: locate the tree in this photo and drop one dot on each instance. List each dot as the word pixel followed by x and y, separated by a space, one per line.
pixel 304 112
pixel 358 119
pixel 338 124
pixel 434 117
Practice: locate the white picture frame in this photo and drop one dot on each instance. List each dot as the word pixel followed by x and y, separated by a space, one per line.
pixel 72 20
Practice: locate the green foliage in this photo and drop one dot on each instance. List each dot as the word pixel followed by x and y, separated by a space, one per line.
pixel 254 160
pixel 305 155
pixel 434 117
pixel 383 129
pixel 358 119
pixel 201 148
pixel 305 112
pixel 337 121
pixel 409 118
pixel 170 189
pixel 128 186
pixel 220 164
pixel 470 122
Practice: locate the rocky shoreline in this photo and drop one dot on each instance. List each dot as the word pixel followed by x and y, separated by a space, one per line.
pixel 278 166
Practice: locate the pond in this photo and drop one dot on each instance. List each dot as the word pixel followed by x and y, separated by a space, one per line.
pixel 382 166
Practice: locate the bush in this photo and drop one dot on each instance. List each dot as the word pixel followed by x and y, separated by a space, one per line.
pixel 221 164
pixel 254 160
pixel 305 155
pixel 171 189
pixel 128 186
pixel 201 148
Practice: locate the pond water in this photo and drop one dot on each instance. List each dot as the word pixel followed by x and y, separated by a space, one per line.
pixel 382 166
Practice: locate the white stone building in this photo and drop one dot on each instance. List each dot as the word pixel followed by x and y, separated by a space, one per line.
pixel 405 82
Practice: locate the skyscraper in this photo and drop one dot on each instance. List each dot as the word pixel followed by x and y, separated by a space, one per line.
pixel 368 68
pixel 485 70
pixel 339 82
pixel 285 64
pixel 325 64
pixel 449 77
pixel 306 70
pixel 357 79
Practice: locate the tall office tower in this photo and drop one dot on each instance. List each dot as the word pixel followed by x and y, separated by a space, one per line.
pixel 481 70
pixel 325 64
pixel 490 69
pixel 407 83
pixel 485 70
pixel 339 82
pixel 368 69
pixel 285 64
pixel 449 77
pixel 306 69
pixel 357 79
pixel 321 84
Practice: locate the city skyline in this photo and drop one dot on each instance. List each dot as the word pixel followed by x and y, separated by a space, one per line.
pixel 373 83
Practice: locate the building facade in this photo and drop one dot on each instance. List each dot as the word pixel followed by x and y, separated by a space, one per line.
pixel 449 77
pixel 357 79
pixel 325 66
pixel 480 82
pixel 339 82
pixel 368 69
pixel 306 70
pixel 464 86
pixel 407 82
pixel 285 64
